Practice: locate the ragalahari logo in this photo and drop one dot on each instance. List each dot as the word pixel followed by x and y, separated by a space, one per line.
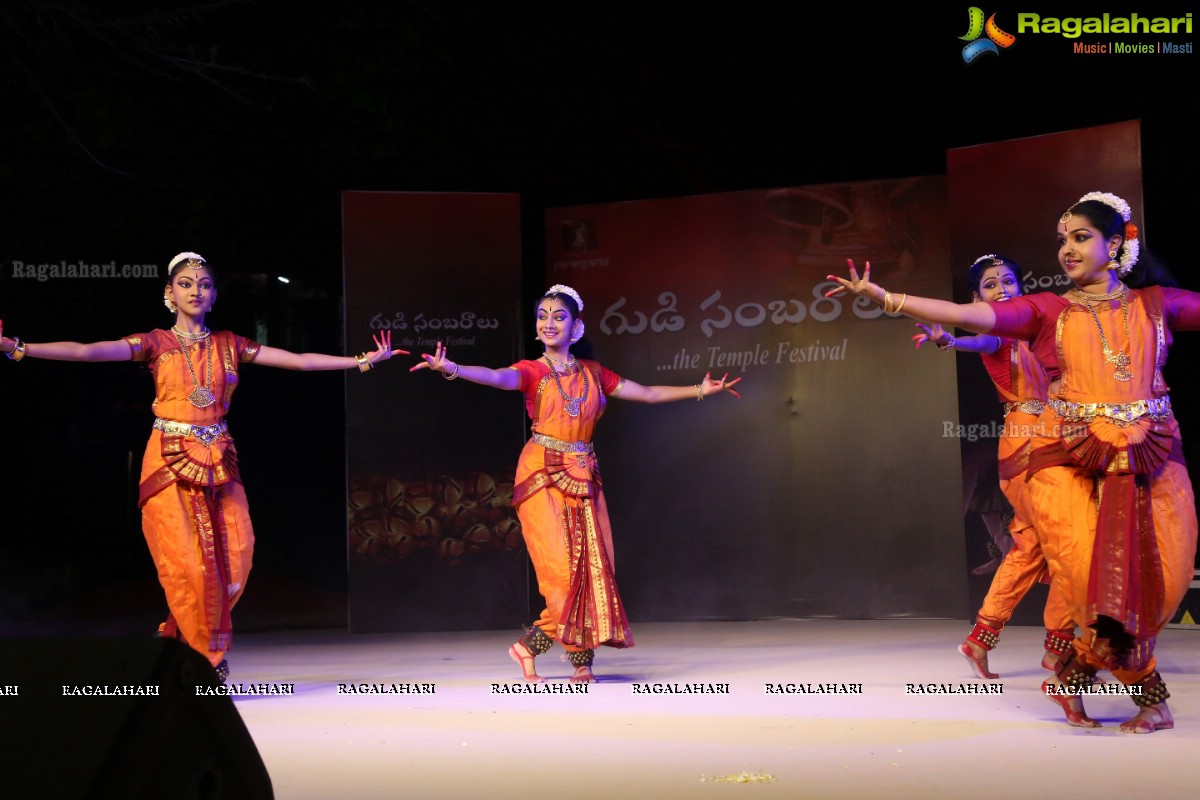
pixel 976 27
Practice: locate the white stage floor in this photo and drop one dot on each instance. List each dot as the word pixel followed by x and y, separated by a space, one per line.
pixel 465 741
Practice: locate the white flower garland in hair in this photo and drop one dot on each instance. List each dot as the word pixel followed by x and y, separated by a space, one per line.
pixel 1109 199
pixel 186 256
pixel 559 288
pixel 1132 248
pixel 1130 256
pixel 991 256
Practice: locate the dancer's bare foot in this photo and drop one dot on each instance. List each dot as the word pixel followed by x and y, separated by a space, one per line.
pixel 1149 719
pixel 1071 704
pixel 583 675
pixel 977 657
pixel 1050 661
pixel 520 654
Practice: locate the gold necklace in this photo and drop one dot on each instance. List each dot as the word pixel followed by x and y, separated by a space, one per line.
pixel 1120 360
pixel 195 337
pixel 201 396
pixel 555 362
pixel 573 403
pixel 1100 298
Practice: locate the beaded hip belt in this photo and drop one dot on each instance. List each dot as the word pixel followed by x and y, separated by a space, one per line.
pixel 550 443
pixel 204 433
pixel 1033 407
pixel 1157 409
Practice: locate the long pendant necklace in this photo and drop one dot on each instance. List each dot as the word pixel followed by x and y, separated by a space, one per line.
pixel 1118 359
pixel 572 403
pixel 201 396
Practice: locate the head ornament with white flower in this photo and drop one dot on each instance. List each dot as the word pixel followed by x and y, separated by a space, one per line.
pixel 559 288
pixel 194 259
pixel 995 259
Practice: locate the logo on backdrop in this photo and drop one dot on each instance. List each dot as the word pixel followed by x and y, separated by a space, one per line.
pixel 983 37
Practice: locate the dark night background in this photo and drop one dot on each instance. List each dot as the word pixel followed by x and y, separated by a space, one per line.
pixel 232 128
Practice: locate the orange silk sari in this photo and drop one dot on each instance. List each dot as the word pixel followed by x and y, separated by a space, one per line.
pixel 560 502
pixel 1114 501
pixel 194 512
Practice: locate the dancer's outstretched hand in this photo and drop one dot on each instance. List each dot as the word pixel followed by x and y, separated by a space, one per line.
pixel 709 386
pixel 860 287
pixel 6 345
pixel 933 333
pixel 383 348
pixel 436 362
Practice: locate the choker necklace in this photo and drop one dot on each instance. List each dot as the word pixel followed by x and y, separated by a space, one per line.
pixel 1119 360
pixel 556 363
pixel 201 396
pixel 572 403
pixel 195 337
pixel 1119 292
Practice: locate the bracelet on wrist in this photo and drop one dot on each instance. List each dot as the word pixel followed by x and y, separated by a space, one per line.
pixel 18 351
pixel 699 392
pixel 452 374
pixel 949 345
pixel 364 363
pixel 890 306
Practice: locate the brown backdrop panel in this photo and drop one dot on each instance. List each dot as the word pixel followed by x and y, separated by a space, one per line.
pixel 1006 198
pixel 830 489
pixel 433 541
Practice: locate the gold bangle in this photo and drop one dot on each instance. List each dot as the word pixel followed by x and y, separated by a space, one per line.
pixel 451 375
pixel 18 351
pixel 364 363
pixel 903 300
pixel 887 302
pixel 699 392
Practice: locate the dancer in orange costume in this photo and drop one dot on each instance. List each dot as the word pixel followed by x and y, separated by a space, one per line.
pixel 1021 385
pixel 1108 490
pixel 559 495
pixel 194 511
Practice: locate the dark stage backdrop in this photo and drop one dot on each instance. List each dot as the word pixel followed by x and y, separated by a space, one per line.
pixel 830 489
pixel 433 540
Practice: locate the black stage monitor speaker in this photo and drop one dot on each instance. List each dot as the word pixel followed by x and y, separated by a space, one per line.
pixel 120 718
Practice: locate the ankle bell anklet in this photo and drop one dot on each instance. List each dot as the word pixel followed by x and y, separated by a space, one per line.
pixel 1075 675
pixel 1059 642
pixel 535 641
pixel 984 635
pixel 1154 690
pixel 581 658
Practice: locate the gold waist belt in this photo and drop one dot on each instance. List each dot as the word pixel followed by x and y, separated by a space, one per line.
pixel 550 443
pixel 1157 409
pixel 204 433
pixel 1033 407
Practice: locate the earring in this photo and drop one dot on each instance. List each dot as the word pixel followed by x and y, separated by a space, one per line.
pixel 1112 260
pixel 169 303
pixel 577 334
